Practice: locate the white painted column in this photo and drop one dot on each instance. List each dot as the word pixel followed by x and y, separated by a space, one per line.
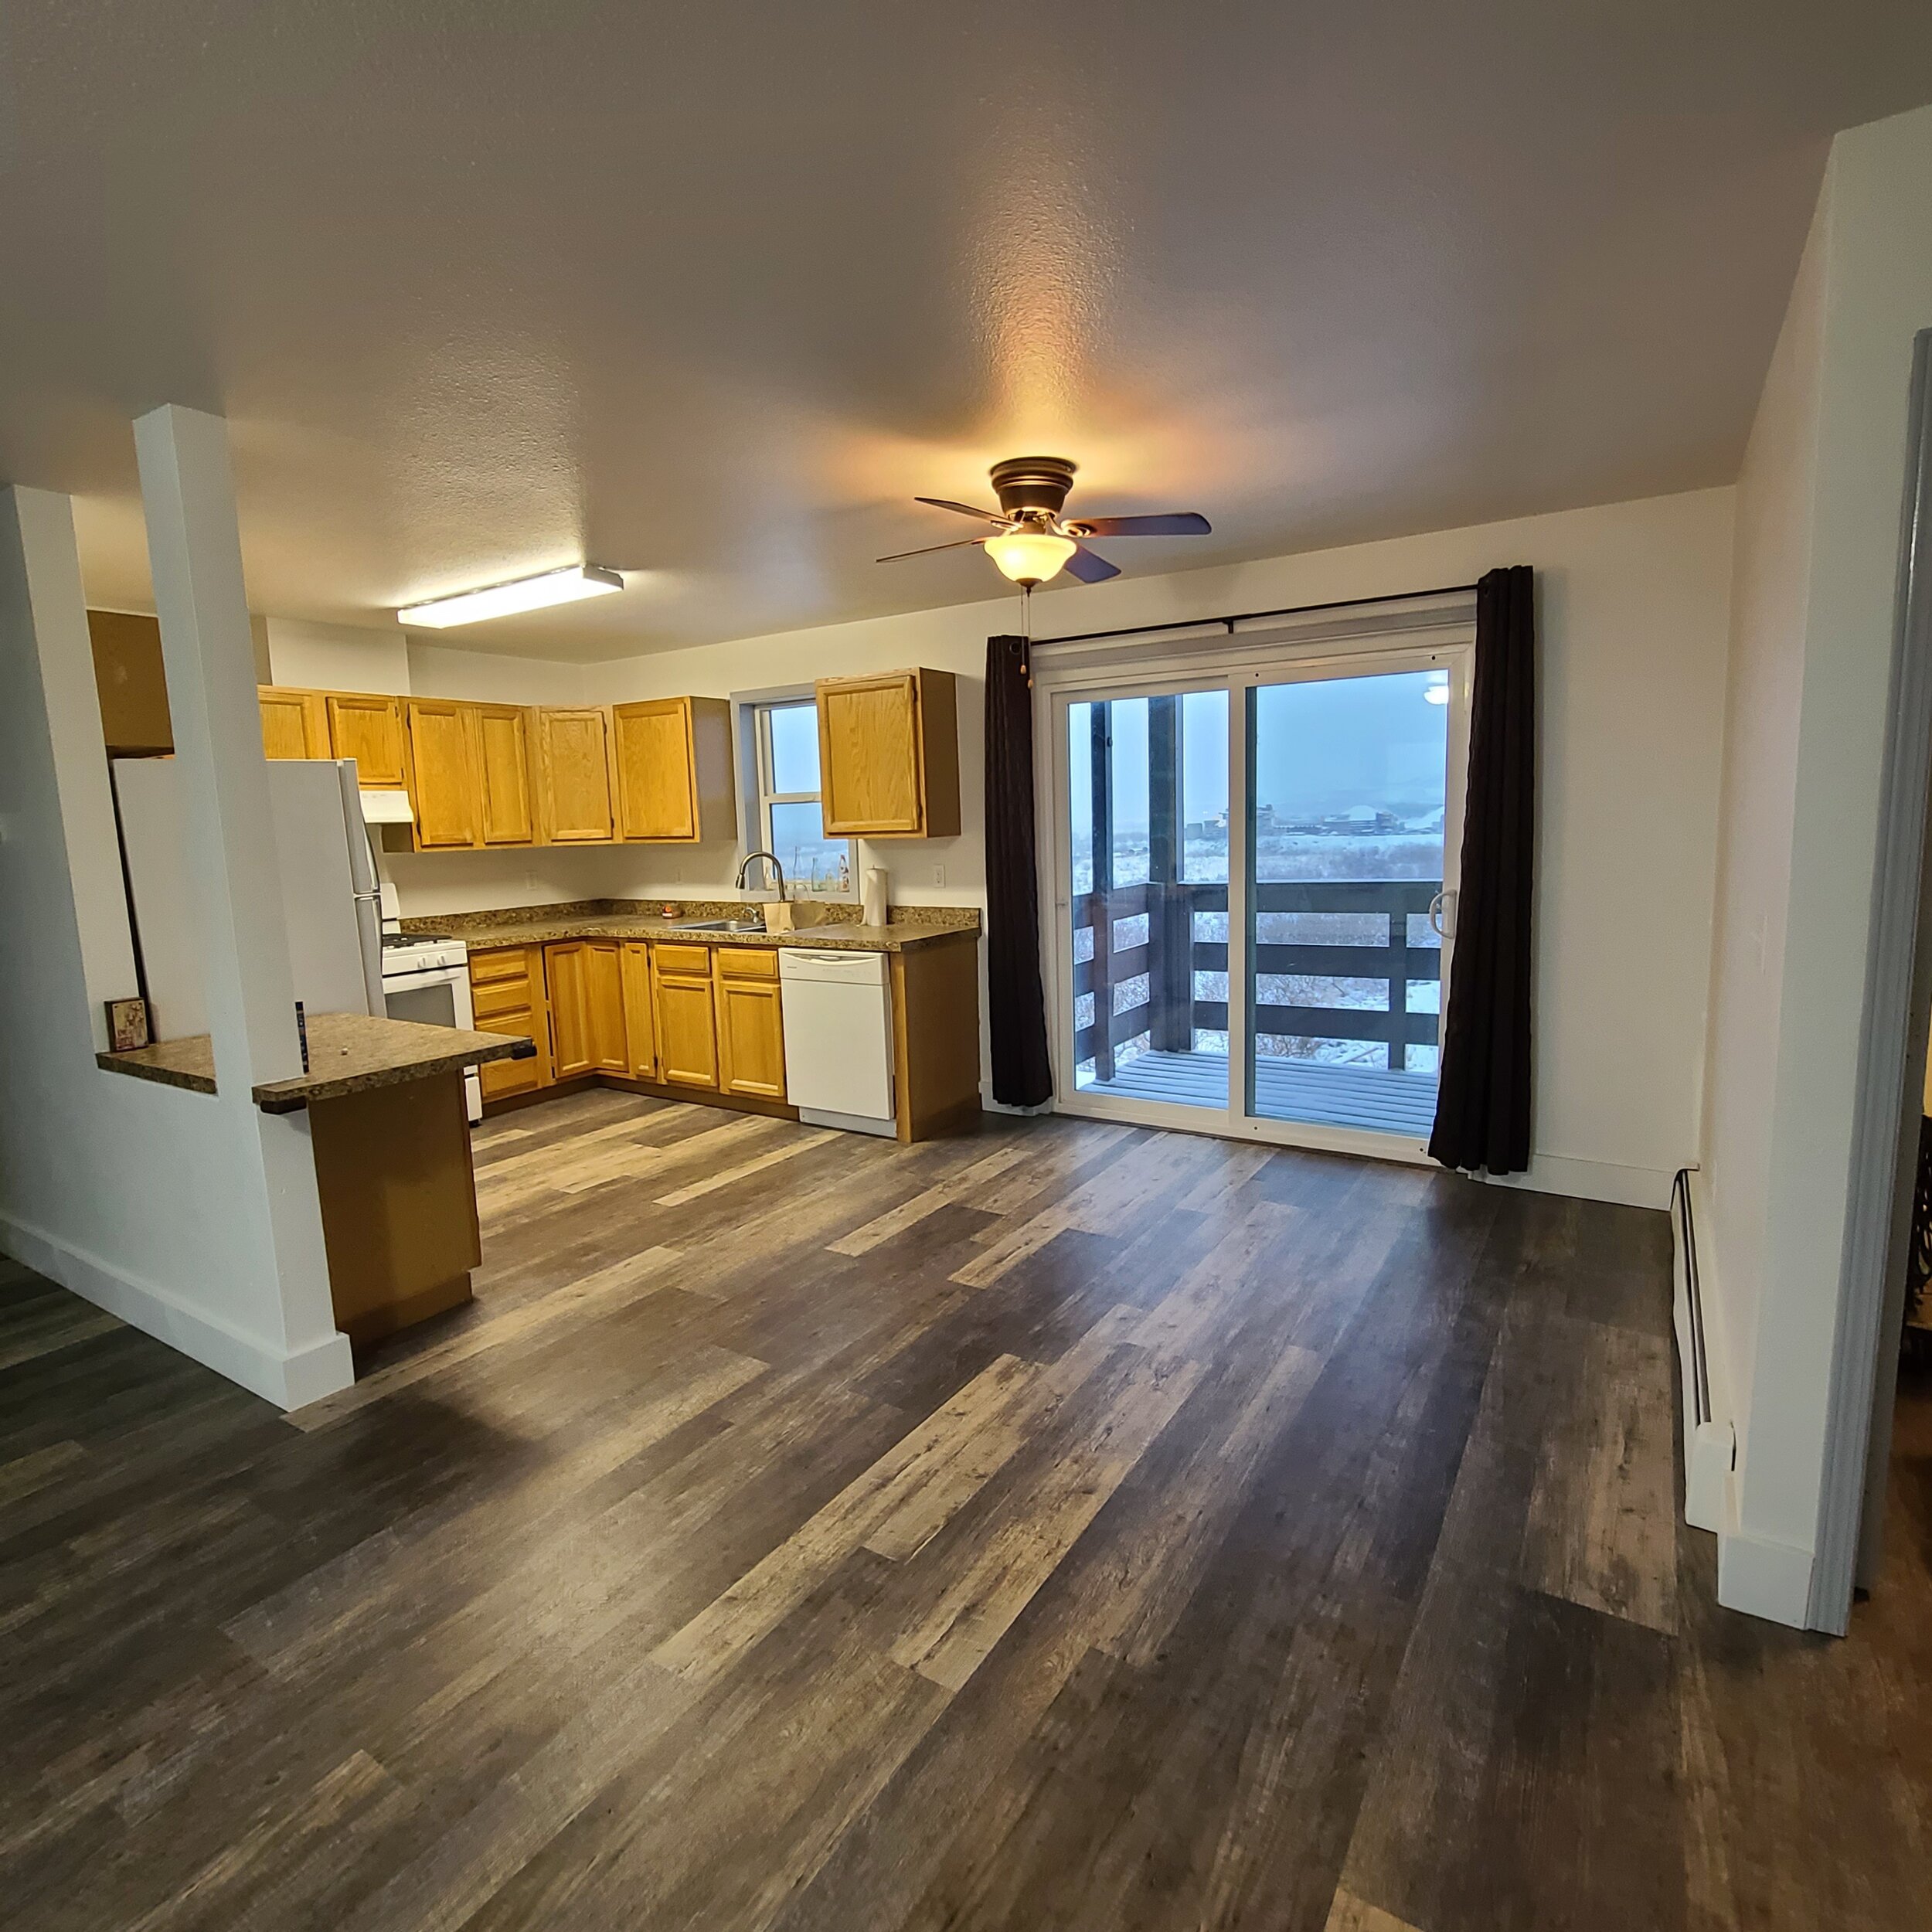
pixel 194 547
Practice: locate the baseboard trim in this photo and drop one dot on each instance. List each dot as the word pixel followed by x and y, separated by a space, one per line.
pixel 1763 1579
pixel 288 1380
pixel 1609 1181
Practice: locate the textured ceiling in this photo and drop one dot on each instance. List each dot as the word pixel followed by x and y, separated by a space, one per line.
pixel 706 291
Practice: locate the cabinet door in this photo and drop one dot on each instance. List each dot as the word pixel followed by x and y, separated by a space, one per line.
pixel 657 779
pixel 566 974
pixel 687 1036
pixel 573 757
pixel 640 1027
pixel 445 789
pixel 869 772
pixel 369 729
pixel 604 982
pixel 506 994
pixel 294 724
pixel 751 1039
pixel 500 743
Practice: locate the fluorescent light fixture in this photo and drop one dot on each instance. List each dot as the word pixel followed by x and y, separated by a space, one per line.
pixel 579 581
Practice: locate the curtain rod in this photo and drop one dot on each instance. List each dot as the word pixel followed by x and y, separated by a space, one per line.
pixel 1251 616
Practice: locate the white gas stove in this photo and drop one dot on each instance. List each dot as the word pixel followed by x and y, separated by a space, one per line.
pixel 426 977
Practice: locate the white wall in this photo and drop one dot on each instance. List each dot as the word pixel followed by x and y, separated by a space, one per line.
pixel 336 657
pixel 1635 616
pixel 136 1196
pixel 1817 580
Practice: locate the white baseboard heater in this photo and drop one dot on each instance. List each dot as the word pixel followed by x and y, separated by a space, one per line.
pixel 1709 1446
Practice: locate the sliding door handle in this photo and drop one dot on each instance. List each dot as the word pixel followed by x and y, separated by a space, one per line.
pixel 1442 913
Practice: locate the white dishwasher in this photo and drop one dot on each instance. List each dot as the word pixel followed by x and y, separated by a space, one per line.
pixel 838 1037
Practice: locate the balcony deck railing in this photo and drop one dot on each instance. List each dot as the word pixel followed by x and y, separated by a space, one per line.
pixel 1162 955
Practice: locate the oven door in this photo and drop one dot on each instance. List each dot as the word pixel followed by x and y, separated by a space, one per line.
pixel 439 997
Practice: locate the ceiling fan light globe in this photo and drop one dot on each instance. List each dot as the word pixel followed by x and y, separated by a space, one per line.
pixel 1029 557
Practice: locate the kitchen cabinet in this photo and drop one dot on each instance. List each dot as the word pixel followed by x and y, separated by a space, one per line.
pixel 574 775
pixel 751 1039
pixel 443 792
pixel 507 996
pixel 681 981
pixel 888 756
pixel 367 727
pixel 130 684
pixel 586 982
pixel 505 813
pixel 640 1023
pixel 294 724
pixel 672 757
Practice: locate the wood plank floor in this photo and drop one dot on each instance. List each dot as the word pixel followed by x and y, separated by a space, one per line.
pixel 1069 1526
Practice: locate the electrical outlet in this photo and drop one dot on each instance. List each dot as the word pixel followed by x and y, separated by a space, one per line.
pixel 939 875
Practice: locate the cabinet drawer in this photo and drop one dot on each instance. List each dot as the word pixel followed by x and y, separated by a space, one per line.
pixel 748 962
pixel 512 962
pixel 498 997
pixel 695 961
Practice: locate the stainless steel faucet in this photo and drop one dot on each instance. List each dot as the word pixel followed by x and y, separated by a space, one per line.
pixel 771 859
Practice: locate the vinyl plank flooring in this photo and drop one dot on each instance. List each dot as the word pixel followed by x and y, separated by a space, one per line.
pixel 1065 1526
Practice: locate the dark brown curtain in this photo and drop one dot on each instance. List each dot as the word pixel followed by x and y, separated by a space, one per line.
pixel 1016 1008
pixel 1482 1108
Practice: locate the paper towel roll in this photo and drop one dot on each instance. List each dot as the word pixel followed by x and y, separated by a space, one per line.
pixel 872 896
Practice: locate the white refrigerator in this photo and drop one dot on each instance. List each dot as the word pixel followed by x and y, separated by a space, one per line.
pixel 327 881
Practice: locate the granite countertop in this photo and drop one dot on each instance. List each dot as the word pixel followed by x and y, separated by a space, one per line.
pixel 907 927
pixel 347 1054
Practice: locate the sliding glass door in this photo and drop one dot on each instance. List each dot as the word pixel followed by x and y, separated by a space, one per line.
pixel 1348 813
pixel 1148 855
pixel 1253 892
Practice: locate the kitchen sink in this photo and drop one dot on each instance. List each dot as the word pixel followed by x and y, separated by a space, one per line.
pixel 717 925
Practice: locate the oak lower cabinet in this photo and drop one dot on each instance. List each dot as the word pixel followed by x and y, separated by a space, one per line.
pixel 294 724
pixel 888 756
pixel 573 776
pixel 367 727
pixel 507 996
pixel 585 981
pixel 640 1020
pixel 751 1033
pixel 681 981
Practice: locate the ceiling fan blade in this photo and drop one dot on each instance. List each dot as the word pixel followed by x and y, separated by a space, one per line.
pixel 964 509
pixel 1089 568
pixel 965 542
pixel 1179 523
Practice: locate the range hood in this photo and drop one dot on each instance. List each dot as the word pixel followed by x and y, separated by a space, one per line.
pixel 388 807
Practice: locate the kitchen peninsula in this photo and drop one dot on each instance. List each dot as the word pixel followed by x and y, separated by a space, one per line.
pixel 391 1143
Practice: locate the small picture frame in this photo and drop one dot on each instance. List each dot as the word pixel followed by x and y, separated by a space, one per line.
pixel 127 1024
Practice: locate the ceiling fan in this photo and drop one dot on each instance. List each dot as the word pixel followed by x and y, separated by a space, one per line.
pixel 1034 541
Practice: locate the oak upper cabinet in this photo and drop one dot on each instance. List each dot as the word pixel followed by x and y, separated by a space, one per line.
pixel 444 790
pixel 640 1024
pixel 672 756
pixel 507 995
pixel 888 756
pixel 367 727
pixel 574 775
pixel 751 1038
pixel 586 980
pixel 505 812
pixel 687 1031
pixel 294 724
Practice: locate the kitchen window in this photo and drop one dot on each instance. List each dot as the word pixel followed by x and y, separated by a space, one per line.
pixel 784 734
